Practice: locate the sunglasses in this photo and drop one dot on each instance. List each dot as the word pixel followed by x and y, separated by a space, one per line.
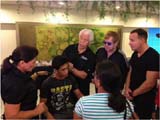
pixel 107 43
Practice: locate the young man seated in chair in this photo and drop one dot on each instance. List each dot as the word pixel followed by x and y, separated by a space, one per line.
pixel 55 91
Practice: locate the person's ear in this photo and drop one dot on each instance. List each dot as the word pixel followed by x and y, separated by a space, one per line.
pixel 21 63
pixel 143 40
pixel 97 83
pixel 54 72
pixel 116 44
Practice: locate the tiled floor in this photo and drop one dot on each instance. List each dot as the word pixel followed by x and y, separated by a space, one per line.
pixel 92 91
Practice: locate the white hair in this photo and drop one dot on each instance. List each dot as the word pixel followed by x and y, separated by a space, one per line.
pixel 89 32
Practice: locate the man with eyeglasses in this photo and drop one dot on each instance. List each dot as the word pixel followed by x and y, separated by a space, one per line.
pixel 111 52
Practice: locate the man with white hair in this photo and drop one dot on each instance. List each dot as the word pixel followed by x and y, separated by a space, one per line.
pixel 82 60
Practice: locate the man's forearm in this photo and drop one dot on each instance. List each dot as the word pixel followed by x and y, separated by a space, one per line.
pixel 127 85
pixel 23 115
pixel 142 89
pixel 79 73
pixel 148 84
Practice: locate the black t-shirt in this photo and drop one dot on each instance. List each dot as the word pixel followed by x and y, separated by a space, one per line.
pixel 117 57
pixel 84 61
pixel 57 93
pixel 149 61
pixel 19 88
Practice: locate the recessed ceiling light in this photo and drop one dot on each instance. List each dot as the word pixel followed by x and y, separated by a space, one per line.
pixel 117 7
pixel 61 3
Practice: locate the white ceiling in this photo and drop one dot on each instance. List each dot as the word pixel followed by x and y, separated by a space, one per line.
pixel 89 5
pixel 38 3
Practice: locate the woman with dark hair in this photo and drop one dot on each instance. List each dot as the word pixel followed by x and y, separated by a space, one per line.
pixel 19 92
pixel 108 103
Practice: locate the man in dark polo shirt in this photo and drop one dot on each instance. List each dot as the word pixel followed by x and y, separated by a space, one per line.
pixel 82 60
pixel 110 51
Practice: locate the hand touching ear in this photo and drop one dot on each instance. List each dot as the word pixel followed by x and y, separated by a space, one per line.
pixel 42 73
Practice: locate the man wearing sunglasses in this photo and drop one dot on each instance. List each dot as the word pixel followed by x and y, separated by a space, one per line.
pixel 111 52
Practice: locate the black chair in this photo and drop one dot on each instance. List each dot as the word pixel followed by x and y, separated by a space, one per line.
pixel 39 80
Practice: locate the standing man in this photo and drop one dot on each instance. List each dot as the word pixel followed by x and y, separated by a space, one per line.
pixel 110 51
pixel 82 60
pixel 143 74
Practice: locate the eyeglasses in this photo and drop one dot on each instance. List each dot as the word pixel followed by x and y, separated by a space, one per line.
pixel 107 43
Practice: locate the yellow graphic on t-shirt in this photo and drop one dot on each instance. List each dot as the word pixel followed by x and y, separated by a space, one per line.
pixel 61 89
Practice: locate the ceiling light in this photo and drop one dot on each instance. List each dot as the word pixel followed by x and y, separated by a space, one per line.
pixel 61 3
pixel 117 7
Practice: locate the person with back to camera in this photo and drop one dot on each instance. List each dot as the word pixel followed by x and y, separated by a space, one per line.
pixel 108 102
pixel 82 61
pixel 55 91
pixel 112 52
pixel 19 92
pixel 143 74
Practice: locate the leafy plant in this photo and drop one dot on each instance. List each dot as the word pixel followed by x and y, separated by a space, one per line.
pixel 18 6
pixel 102 7
pixel 31 3
pixel 66 10
pixel 101 10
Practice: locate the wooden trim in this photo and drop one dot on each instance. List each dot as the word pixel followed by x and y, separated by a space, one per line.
pixel 8 26
pixel 70 24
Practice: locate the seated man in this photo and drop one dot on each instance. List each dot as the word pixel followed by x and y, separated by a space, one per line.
pixel 55 91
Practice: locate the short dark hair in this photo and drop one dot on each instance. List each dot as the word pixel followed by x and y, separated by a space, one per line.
pixel 141 33
pixel 58 61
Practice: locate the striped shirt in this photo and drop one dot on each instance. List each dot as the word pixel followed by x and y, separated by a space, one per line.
pixel 96 107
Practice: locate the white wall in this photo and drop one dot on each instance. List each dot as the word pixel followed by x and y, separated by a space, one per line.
pixel 8 14
pixel 8 43
pixel 125 44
